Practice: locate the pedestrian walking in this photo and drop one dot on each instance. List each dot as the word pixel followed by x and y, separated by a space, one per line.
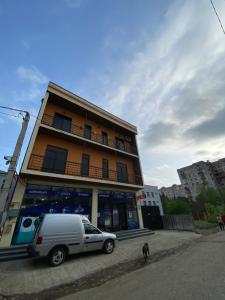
pixel 220 222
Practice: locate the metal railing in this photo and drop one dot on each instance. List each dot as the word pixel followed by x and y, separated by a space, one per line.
pixel 39 163
pixel 80 131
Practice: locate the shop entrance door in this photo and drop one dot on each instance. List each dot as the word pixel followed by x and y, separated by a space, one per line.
pixel 113 216
pixel 122 216
pixel 119 216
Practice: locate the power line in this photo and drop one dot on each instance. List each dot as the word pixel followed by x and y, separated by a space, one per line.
pixel 217 16
pixel 14 109
pixel 9 114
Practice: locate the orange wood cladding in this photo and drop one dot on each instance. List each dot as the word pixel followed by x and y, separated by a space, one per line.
pixel 51 109
pixel 75 152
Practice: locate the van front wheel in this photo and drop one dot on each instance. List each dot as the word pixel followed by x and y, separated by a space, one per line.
pixel 57 256
pixel 108 246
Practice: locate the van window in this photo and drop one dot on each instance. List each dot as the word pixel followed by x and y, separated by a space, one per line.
pixel 90 229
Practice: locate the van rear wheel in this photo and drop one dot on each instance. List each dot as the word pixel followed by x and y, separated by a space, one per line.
pixel 57 256
pixel 108 246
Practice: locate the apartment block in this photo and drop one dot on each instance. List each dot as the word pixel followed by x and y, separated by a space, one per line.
pixel 196 175
pixel 219 172
pixel 80 159
pixel 174 191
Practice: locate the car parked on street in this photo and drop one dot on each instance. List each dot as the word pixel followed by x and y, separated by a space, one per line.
pixel 59 235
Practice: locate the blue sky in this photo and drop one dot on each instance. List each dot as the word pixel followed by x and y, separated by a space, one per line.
pixel 158 64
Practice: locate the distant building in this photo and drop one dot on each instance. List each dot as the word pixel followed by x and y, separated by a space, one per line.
pixel 219 172
pixel 151 197
pixel 174 191
pixel 196 175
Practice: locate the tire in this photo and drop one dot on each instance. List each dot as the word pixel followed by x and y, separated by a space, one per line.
pixel 57 256
pixel 108 246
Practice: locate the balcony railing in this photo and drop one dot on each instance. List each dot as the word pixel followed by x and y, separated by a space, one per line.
pixel 39 163
pixel 80 131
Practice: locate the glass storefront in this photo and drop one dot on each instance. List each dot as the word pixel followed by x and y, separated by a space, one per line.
pixel 117 211
pixel 46 199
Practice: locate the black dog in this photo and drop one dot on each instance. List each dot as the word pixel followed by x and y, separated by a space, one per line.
pixel 145 251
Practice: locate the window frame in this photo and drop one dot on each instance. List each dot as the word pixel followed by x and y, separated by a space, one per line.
pixel 62 119
pixel 93 227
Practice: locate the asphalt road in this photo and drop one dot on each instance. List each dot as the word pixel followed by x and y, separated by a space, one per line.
pixel 198 273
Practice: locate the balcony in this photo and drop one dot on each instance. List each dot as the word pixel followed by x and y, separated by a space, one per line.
pixel 76 130
pixel 38 163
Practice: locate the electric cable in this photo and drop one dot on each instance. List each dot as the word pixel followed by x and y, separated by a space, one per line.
pixel 217 16
pixel 3 113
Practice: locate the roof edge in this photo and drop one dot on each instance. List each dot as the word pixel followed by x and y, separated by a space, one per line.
pixel 56 89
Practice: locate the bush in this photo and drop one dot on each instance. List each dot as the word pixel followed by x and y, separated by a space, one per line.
pixel 176 207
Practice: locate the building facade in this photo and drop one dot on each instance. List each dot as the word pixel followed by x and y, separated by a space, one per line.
pixel 2 179
pixel 219 172
pixel 196 175
pixel 151 197
pixel 80 159
pixel 174 191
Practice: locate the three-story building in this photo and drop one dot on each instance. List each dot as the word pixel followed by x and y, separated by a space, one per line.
pixel 80 159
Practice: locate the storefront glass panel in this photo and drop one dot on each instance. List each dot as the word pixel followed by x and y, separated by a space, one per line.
pixel 117 211
pixel 46 199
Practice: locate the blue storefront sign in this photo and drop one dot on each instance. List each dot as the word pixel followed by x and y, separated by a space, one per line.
pixel 61 193
pixel 116 196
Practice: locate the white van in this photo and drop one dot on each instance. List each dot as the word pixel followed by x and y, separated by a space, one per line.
pixel 59 235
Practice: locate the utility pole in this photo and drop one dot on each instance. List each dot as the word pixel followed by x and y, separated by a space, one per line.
pixel 13 160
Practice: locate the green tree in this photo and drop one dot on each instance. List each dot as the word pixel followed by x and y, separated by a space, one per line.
pixel 210 203
pixel 176 206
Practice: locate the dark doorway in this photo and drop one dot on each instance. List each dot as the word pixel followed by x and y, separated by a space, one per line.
pixel 120 144
pixel 151 217
pixel 104 138
pixel 122 209
pixel 105 168
pixel 85 165
pixel 122 175
pixel 55 160
pixel 87 132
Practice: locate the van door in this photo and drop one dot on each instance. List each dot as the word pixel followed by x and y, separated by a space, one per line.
pixel 93 239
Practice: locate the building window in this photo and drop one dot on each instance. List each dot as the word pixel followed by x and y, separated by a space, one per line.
pixel 104 138
pixel 62 122
pixel 87 132
pixel 144 203
pixel 105 168
pixel 148 194
pixel 120 144
pixel 55 160
pixel 154 204
pixel 149 203
pixel 85 165
pixel 122 175
pixel 152 194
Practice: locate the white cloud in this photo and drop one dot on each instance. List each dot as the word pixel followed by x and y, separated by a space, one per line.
pixel 31 74
pixel 33 80
pixel 164 166
pixel 174 84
